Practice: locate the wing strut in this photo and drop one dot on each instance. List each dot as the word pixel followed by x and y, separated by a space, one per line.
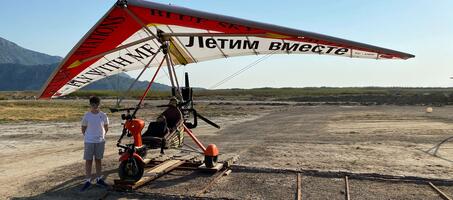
pixel 136 79
pixel 139 105
pixel 172 73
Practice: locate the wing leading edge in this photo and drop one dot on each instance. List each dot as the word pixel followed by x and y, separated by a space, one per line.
pixel 128 37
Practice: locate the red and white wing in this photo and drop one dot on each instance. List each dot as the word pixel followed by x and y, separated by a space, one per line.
pixel 126 39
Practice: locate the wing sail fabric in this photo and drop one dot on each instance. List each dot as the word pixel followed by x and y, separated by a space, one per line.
pixel 126 39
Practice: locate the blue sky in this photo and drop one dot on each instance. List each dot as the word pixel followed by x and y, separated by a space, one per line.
pixel 420 27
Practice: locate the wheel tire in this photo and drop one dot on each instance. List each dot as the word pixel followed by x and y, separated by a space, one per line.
pixel 210 161
pixel 130 170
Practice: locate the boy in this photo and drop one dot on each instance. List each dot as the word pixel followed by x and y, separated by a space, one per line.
pixel 94 127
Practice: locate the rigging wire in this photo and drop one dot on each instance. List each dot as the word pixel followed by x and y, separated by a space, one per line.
pixel 146 66
pixel 162 76
pixel 166 73
pixel 254 63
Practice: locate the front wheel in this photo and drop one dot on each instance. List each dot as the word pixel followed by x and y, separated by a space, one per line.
pixel 142 151
pixel 130 169
pixel 210 161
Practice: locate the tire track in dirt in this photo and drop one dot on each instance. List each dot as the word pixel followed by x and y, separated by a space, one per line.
pixel 302 137
pixel 252 140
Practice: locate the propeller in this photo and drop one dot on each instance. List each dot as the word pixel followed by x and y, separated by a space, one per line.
pixel 186 106
pixel 207 120
pixel 114 110
pixel 196 115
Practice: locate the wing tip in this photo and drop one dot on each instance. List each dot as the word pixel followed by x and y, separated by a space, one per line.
pixel 408 56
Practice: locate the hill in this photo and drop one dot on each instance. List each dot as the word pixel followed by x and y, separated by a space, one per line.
pixel 14 54
pixel 18 77
pixel 23 69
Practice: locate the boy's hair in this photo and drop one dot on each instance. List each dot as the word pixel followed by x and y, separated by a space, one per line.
pixel 95 100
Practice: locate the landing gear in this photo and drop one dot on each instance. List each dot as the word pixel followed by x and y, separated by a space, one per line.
pixel 210 161
pixel 210 156
pixel 130 169
pixel 132 155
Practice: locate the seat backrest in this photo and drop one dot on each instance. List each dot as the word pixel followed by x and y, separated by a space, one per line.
pixel 156 129
pixel 173 116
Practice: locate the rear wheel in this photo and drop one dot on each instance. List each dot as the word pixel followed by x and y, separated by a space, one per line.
pixel 130 169
pixel 210 161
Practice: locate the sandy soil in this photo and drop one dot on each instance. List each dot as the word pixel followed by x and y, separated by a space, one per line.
pixel 43 160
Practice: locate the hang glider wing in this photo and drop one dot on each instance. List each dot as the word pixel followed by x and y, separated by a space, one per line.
pixel 129 35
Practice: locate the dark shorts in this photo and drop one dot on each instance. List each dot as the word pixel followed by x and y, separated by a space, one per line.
pixel 95 150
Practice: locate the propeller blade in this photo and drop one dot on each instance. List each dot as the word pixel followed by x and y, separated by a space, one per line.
pixel 161 106
pixel 208 121
pixel 113 110
pixel 179 105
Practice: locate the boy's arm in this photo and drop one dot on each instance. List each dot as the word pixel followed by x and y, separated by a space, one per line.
pixel 84 125
pixel 84 128
pixel 106 124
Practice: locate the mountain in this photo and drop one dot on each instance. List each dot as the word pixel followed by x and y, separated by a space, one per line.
pixel 15 77
pixel 12 53
pixel 122 82
pixel 23 69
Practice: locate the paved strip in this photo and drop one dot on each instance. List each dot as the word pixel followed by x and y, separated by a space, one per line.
pixel 340 174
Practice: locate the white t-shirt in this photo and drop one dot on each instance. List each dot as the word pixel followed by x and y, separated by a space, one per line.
pixel 95 132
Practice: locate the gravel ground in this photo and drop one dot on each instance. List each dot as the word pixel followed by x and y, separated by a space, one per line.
pixel 246 185
pixel 360 189
pixel 375 139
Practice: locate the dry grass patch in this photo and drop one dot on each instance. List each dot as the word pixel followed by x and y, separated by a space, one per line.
pixel 18 111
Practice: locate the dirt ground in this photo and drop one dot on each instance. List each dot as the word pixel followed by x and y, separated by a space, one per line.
pixel 42 160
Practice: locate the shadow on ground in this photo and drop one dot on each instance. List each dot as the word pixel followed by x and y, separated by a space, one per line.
pixel 178 184
pixel 70 189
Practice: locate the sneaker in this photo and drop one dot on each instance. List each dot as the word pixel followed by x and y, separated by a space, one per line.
pixel 85 186
pixel 101 183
